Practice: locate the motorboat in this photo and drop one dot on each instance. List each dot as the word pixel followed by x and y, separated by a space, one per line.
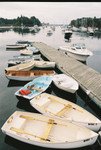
pixel 77 51
pixel 68 34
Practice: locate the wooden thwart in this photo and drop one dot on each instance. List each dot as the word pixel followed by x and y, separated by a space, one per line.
pixel 24 132
pixel 47 130
pixel 66 106
pixel 34 88
pixel 31 118
pixel 64 110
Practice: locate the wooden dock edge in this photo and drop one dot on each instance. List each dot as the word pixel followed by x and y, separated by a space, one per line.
pixel 53 54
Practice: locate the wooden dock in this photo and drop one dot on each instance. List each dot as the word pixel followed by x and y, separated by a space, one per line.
pixel 88 79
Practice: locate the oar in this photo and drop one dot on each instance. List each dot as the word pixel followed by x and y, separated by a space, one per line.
pixel 34 88
pixel 23 132
pixel 31 118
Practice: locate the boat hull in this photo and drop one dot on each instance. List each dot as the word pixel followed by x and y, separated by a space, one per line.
pixel 27 75
pixel 65 83
pixel 67 145
pixel 95 126
pixel 15 46
pixel 34 124
pixel 77 56
pixel 43 83
pixel 25 66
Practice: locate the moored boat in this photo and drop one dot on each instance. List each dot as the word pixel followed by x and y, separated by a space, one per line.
pixel 68 34
pixel 22 42
pixel 77 51
pixel 60 108
pixel 27 75
pixel 66 83
pixel 21 60
pixel 25 66
pixel 33 49
pixel 35 87
pixel 23 57
pixel 44 64
pixel 16 46
pixel 26 52
pixel 44 131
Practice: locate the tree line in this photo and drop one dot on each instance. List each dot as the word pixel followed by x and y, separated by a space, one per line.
pixel 87 22
pixel 20 21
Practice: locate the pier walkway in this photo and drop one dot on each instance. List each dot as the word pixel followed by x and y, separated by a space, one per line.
pixel 88 79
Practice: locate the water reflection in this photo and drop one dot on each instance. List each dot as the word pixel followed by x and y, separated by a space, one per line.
pixel 15 83
pixel 87 35
pixel 25 31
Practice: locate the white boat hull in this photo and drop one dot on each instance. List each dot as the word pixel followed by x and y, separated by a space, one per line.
pixel 75 117
pixel 35 124
pixel 65 83
pixel 78 57
pixel 15 46
pixel 20 78
pixel 44 64
pixel 67 145
pixel 25 66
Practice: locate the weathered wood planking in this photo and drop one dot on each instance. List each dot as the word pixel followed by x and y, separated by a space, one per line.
pixel 84 75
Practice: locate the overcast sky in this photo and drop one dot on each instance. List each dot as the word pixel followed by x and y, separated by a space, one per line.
pixel 52 12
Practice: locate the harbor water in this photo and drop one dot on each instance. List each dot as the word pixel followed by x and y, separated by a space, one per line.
pixel 9 103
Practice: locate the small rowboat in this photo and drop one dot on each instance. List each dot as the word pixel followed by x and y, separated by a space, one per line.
pixel 22 42
pixel 22 57
pixel 18 61
pixel 35 87
pixel 54 106
pixel 44 64
pixel 44 131
pixel 26 52
pixel 27 75
pixel 25 66
pixel 16 46
pixel 33 49
pixel 65 83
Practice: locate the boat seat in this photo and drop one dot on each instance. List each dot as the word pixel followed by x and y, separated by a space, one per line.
pixel 64 110
pixel 47 130
pixel 32 74
pixel 10 74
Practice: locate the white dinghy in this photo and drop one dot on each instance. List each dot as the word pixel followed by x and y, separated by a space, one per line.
pixel 65 83
pixel 25 66
pixel 58 107
pixel 16 46
pixel 26 52
pixel 44 131
pixel 44 64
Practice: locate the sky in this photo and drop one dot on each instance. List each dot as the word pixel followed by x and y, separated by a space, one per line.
pixel 51 12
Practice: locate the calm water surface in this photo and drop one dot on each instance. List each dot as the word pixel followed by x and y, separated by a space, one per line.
pixel 9 103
